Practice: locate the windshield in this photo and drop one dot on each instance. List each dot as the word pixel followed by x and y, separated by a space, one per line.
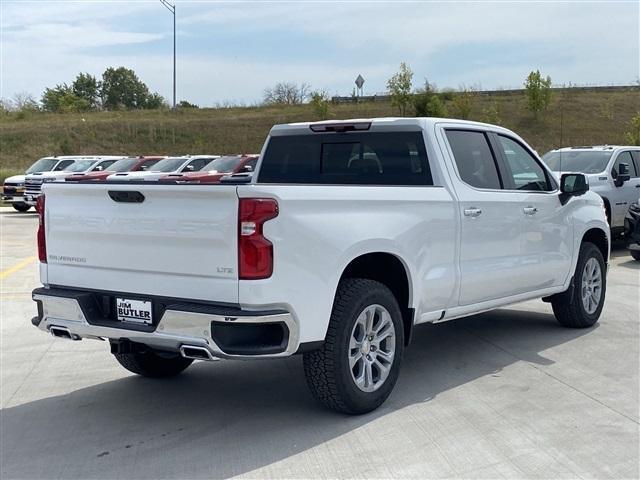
pixel 79 166
pixel 123 165
pixel 583 161
pixel 168 165
pixel 43 165
pixel 222 164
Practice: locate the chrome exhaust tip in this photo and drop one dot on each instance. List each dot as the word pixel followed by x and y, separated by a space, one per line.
pixel 194 352
pixel 63 332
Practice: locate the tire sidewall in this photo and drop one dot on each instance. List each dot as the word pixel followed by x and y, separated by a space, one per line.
pixel 367 401
pixel 588 251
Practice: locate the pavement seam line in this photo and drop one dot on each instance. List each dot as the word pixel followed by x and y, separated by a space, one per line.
pixel 556 378
pixel 19 266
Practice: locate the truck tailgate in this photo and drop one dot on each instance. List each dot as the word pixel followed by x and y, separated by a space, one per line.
pixel 180 241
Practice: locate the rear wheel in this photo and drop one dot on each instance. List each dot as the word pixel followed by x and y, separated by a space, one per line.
pixel 580 307
pixel 21 207
pixel 153 364
pixel 358 365
pixel 635 254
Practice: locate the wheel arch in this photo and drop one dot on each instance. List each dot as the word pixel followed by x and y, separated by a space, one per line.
pixel 388 269
pixel 599 238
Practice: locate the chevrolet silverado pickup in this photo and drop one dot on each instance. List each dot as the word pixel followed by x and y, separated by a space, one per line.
pixel 347 236
pixel 613 173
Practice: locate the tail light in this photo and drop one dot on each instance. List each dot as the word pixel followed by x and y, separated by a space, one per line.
pixel 42 242
pixel 255 252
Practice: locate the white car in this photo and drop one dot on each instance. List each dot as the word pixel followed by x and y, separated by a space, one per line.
pixel 77 164
pixel 167 166
pixel 602 165
pixel 348 235
pixel 13 188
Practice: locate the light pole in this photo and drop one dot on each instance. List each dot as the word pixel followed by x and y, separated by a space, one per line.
pixel 172 9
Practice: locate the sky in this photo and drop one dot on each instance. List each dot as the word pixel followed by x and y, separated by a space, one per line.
pixel 230 51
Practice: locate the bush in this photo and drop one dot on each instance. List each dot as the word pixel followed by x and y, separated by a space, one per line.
pixel 463 102
pixel 427 103
pixel 491 114
pixel 632 137
pixel 320 104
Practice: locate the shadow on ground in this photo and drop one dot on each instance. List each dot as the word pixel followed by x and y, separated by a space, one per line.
pixel 233 417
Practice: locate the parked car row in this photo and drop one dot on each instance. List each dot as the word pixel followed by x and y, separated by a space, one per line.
pixel 22 191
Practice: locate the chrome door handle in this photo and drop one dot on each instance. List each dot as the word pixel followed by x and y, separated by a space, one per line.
pixel 530 210
pixel 472 212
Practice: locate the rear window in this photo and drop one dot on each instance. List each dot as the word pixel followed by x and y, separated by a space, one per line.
pixel 356 158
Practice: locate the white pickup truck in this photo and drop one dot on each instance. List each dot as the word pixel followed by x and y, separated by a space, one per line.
pixel 348 235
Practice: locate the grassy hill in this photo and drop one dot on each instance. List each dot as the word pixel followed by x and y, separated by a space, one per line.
pixel 576 117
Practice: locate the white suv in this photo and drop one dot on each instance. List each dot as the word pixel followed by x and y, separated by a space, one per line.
pixel 602 166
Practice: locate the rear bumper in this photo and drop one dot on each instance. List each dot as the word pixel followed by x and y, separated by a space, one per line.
pixel 222 331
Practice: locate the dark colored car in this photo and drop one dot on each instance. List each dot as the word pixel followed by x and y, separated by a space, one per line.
pixel 632 230
pixel 133 164
pixel 216 169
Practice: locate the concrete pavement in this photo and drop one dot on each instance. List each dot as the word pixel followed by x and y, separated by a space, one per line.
pixel 508 393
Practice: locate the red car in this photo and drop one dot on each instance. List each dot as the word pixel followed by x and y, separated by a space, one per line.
pixel 132 164
pixel 216 169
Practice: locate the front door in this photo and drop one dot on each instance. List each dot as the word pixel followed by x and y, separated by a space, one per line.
pixel 547 230
pixel 624 195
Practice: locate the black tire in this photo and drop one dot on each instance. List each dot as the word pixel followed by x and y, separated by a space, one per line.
pixel 152 364
pixel 327 370
pixel 21 207
pixel 635 254
pixel 568 307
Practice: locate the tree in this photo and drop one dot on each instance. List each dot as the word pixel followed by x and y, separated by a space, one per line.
pixel 62 99
pixel 87 88
pixel 399 86
pixel 632 137
pixel 286 93
pixel 24 101
pixel 538 92
pixel 121 88
pixel 320 104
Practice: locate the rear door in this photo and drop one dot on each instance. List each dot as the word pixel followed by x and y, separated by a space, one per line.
pixel 164 240
pixel 491 220
pixel 547 230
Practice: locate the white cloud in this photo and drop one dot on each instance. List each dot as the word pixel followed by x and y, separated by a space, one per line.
pixel 45 43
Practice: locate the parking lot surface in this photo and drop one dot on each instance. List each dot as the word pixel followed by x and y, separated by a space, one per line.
pixel 507 393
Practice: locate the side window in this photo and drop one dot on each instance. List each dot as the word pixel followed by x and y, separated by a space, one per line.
pixel 474 159
pixel 104 164
pixel 526 172
pixel 636 160
pixel 198 164
pixel 62 165
pixel 624 157
pixel 147 164
pixel 252 164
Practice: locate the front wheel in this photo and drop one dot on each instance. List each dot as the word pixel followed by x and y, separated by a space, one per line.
pixel 358 365
pixel 581 306
pixel 635 254
pixel 21 207
pixel 153 364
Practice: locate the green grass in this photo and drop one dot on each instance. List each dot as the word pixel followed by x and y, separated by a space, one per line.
pixel 576 117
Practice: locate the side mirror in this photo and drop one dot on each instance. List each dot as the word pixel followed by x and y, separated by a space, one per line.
pixel 247 169
pixel 623 174
pixel 98 168
pixel 143 168
pixel 573 184
pixel 189 168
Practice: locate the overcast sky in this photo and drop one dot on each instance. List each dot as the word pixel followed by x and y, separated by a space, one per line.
pixel 231 51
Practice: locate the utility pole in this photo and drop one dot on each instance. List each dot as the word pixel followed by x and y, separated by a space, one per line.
pixel 172 9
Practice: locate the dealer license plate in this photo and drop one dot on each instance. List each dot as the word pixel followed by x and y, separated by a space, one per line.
pixel 135 311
